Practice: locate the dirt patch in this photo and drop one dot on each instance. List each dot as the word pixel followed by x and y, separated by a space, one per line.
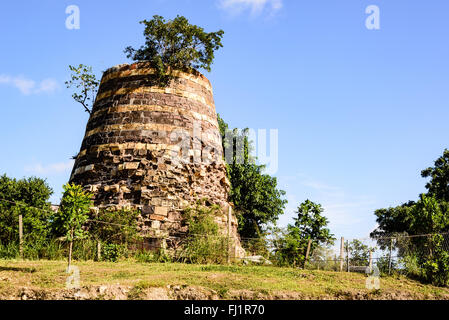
pixel 176 292
pixel 112 292
pixel 192 293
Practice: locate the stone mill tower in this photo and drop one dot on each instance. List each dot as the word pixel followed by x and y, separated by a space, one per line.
pixel 153 149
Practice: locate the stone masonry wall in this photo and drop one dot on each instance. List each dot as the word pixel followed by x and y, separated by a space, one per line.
pixel 157 150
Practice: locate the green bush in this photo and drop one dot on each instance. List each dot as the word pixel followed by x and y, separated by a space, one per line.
pixel 436 268
pixel 145 256
pixel 114 226
pixel 256 247
pixel 411 265
pixel 83 250
pixel 159 255
pixel 204 242
pixel 9 250
pixel 48 249
pixel 110 252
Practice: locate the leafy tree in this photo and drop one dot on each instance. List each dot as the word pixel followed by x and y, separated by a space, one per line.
pixel 310 224
pixel 72 215
pixel 429 215
pixel 256 197
pixel 30 198
pixel 438 185
pixel 436 268
pixel 359 253
pixel 393 220
pixel 85 81
pixel 176 44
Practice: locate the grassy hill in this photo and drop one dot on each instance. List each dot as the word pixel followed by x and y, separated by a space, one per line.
pixel 135 280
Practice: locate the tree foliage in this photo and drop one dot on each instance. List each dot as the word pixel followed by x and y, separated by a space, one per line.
pixel 436 267
pixel 310 224
pixel 393 220
pixel 428 215
pixel 438 186
pixel 86 85
pixel 176 44
pixel 258 201
pixel 30 198
pixel 73 214
pixel 359 253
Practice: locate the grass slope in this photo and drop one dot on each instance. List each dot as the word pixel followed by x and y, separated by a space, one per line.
pixel 47 280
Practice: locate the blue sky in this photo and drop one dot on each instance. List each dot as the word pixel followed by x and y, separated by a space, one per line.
pixel 359 112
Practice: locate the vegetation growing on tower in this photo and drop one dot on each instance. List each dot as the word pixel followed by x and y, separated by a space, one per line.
pixel 176 44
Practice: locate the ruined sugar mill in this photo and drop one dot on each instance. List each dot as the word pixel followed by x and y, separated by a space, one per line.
pixel 154 149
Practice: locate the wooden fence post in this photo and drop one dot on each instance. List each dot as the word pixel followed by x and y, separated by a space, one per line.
pixel 347 255
pixel 20 236
pixel 342 253
pixel 98 250
pixel 308 252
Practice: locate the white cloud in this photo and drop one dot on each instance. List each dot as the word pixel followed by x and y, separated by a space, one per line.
pixel 29 86
pixel 4 79
pixel 53 168
pixel 350 213
pixel 255 6
pixel 47 85
pixel 25 86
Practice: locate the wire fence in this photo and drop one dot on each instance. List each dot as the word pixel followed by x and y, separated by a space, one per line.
pixel 389 253
pixel 401 253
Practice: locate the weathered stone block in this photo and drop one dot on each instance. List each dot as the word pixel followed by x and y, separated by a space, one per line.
pixel 174 216
pixel 162 211
pixel 155 224
pixel 147 210
pixel 131 165
pixel 156 217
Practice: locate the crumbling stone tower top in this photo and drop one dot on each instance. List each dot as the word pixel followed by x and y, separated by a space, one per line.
pixel 154 149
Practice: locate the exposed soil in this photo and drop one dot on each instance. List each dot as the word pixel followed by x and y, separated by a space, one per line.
pixel 119 292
